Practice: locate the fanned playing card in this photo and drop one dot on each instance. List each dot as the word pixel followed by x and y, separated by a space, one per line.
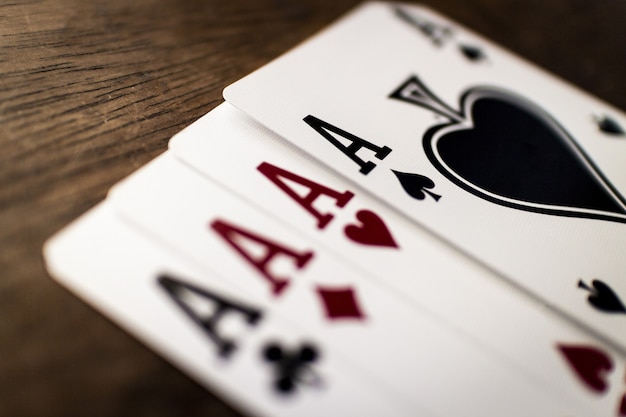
pixel 512 165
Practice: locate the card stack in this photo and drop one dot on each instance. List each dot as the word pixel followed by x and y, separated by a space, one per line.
pixel 397 217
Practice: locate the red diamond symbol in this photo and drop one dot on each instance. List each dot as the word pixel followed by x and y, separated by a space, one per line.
pixel 340 303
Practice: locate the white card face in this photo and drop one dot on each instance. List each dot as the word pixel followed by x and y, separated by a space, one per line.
pixel 398 341
pixel 119 271
pixel 415 265
pixel 506 162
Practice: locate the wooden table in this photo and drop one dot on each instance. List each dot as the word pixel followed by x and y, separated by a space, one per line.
pixel 92 90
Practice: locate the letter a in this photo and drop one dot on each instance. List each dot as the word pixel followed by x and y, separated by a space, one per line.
pixel 275 174
pixel 176 290
pixel 229 232
pixel 326 129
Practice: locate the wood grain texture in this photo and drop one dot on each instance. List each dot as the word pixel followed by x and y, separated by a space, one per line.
pixel 92 90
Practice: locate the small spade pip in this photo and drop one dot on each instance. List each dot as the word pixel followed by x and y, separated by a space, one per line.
pixel 415 185
pixel 602 297
pixel 472 53
pixel 609 126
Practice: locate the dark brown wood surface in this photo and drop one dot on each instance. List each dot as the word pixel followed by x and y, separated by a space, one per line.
pixel 92 90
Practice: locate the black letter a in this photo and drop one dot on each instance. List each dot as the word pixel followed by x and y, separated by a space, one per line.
pixel 177 289
pixel 356 144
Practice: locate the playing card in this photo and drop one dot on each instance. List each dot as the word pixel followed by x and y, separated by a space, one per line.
pixel 506 162
pixel 271 368
pixel 402 343
pixel 406 259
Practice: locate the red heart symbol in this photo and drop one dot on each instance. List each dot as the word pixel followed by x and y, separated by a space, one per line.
pixel 372 230
pixel 591 365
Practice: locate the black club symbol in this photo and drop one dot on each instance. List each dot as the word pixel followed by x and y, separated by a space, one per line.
pixel 292 366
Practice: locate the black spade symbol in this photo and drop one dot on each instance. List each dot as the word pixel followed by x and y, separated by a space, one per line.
pixel 602 297
pixel 507 150
pixel 473 53
pixel 416 185
pixel 609 126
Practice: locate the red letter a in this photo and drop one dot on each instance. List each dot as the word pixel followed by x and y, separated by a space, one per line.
pixel 230 233
pixel 275 174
